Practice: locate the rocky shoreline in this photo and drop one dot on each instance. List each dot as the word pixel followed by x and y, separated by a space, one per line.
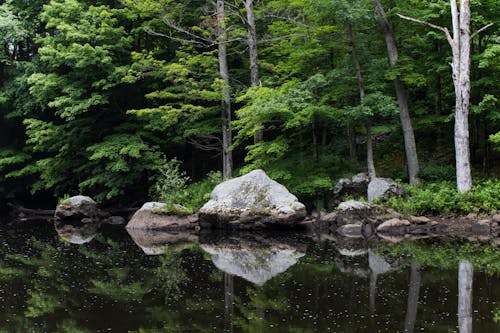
pixel 255 202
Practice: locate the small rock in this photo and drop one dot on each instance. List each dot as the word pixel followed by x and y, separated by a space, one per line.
pixel 77 208
pixel 394 226
pixel 350 230
pixel 481 227
pixel 496 218
pixel 420 219
pixel 471 216
pixel 381 188
pixel 115 220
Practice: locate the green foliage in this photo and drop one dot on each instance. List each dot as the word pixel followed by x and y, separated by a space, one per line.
pixel 443 198
pixel 170 181
pixel 447 255
pixel 197 194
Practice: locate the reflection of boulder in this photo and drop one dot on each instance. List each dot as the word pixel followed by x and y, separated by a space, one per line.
pixel 156 242
pixel 255 259
pixel 80 207
pixel 77 233
pixel 251 201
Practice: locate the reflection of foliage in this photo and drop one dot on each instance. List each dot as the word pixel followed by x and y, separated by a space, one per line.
pixel 448 255
pixel 70 326
pixel 496 316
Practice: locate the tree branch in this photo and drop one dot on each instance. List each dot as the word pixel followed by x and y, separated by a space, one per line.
pixel 443 29
pixel 481 30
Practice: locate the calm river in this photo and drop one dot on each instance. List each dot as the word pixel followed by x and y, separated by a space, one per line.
pixel 66 278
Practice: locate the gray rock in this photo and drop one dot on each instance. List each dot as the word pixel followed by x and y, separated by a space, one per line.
pixel 115 220
pixel 420 219
pixel 350 230
pixel 394 226
pixel 79 207
pixel 380 188
pixel 150 217
pixel 251 201
pixel 496 218
pixel 481 227
pixel 358 212
pixel 355 186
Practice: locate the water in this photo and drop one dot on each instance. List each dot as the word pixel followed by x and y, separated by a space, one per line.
pixel 103 280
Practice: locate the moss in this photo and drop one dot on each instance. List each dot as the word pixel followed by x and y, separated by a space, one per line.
pixel 173 209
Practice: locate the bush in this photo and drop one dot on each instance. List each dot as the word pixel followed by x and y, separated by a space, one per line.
pixel 197 194
pixel 170 182
pixel 443 198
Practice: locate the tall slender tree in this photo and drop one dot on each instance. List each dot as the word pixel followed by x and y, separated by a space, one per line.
pixel 402 96
pixel 460 43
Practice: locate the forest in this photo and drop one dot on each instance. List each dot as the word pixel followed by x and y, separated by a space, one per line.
pixel 127 100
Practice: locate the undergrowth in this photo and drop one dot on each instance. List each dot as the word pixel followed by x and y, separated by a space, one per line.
pixel 443 198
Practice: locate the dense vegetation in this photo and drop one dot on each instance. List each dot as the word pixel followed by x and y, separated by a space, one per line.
pixel 97 97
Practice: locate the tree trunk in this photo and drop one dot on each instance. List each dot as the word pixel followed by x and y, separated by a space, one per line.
pixel 461 81
pixel 465 276
pixel 361 88
pixel 402 97
pixel 253 55
pixel 227 158
pixel 369 150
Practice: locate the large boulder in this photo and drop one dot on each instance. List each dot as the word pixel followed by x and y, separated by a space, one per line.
pixel 381 188
pixel 79 207
pixel 154 216
pixel 251 201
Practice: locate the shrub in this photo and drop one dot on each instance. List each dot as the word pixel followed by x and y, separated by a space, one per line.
pixel 170 182
pixel 443 198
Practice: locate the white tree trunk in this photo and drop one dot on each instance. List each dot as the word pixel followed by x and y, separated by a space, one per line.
pixel 402 97
pixel 227 158
pixel 461 81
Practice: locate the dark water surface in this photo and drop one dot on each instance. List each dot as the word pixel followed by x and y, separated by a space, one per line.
pixel 102 280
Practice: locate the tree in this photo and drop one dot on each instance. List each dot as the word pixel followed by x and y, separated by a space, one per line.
pixel 460 44
pixel 227 155
pixel 409 137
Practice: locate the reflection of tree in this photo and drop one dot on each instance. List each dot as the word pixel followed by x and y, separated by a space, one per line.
pixel 413 293
pixel 465 277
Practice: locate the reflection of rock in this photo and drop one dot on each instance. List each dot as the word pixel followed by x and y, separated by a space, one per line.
pixel 378 264
pixel 151 217
pixel 255 259
pixel 251 201
pixel 77 233
pixel 79 207
pixel 156 242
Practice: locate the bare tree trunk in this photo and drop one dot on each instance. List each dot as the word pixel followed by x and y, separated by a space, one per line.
pixel 461 80
pixel 369 150
pixel 460 44
pixel 361 87
pixel 352 142
pixel 413 293
pixel 404 114
pixel 227 156
pixel 465 276
pixel 253 54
